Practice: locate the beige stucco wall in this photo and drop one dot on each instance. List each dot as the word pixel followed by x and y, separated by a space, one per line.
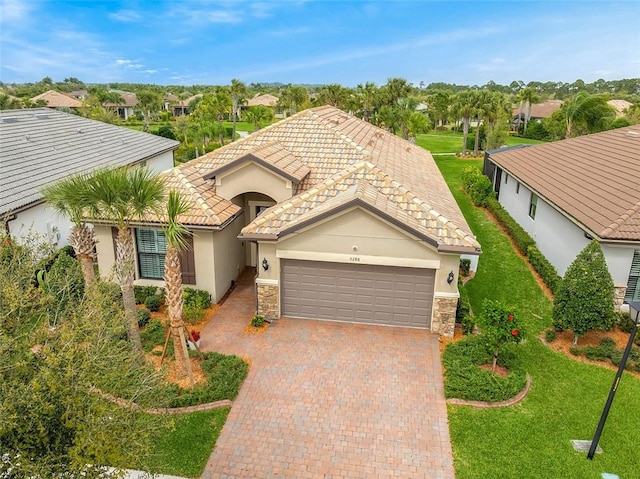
pixel 357 236
pixel 229 257
pixel 252 177
pixel 104 247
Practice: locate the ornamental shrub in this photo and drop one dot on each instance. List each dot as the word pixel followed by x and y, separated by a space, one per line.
pixel 545 269
pixel 143 317
pixel 152 302
pixel 585 297
pixel 477 185
pixel 257 321
pixel 465 266
pixel 517 233
pixel 499 325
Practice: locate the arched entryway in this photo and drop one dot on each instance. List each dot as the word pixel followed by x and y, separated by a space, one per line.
pixel 253 204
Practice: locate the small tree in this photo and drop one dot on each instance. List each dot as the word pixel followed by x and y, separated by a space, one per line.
pixel 585 297
pixel 500 326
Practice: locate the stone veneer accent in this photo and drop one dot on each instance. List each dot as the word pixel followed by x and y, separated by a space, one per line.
pixel 444 316
pixel 618 296
pixel 268 300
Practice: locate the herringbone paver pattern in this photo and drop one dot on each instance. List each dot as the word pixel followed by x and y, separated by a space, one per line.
pixel 330 400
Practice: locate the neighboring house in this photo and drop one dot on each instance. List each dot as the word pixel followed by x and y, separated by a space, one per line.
pixel 264 100
pixel 181 108
pixel 539 111
pixel 79 94
pixel 620 106
pixel 39 146
pixel 123 109
pixel 168 100
pixel 55 99
pixel 566 193
pixel 341 219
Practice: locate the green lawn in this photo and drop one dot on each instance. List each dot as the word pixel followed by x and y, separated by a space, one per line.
pixel 451 142
pixel 184 447
pixel 532 439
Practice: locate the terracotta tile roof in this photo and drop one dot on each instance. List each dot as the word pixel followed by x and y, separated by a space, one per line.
pixel 273 156
pixel 541 110
pixel 263 100
pixel 330 144
pixel 55 99
pixel 592 178
pixel 364 185
pixel 620 106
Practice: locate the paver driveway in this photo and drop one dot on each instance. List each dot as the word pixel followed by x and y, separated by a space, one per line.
pixel 330 400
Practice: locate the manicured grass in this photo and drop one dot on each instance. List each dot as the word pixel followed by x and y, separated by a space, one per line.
pixel 451 142
pixel 532 438
pixel 184 447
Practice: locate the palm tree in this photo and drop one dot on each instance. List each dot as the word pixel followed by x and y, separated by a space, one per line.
pixel 120 196
pixel 529 96
pixel 148 101
pixel 464 107
pixel 176 234
pixel 68 197
pixel 590 110
pixel 259 116
pixel 367 96
pixel 238 91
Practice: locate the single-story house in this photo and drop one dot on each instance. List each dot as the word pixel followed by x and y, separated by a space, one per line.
pixel 340 219
pixel 123 109
pixel 568 192
pixel 181 108
pixel 55 99
pixel 539 111
pixel 39 146
pixel 265 99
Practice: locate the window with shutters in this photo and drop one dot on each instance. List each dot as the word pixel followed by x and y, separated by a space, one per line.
pixel 633 285
pixel 151 246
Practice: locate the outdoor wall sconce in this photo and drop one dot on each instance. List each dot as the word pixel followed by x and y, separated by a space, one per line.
pixel 450 277
pixel 265 264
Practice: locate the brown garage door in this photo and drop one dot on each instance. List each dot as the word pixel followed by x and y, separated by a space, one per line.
pixel 358 293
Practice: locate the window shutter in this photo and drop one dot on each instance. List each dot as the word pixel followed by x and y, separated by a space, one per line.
pixel 187 262
pixel 151 245
pixel 633 292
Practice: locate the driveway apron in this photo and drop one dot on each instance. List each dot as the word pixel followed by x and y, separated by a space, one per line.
pixel 329 400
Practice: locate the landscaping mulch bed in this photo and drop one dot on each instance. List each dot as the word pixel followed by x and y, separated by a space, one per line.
pixel 564 342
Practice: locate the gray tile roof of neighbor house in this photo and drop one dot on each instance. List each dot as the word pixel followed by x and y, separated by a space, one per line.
pixel 592 179
pixel 39 146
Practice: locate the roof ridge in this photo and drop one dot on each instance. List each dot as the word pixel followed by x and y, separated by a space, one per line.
pixel 328 124
pixel 621 220
pixel 193 191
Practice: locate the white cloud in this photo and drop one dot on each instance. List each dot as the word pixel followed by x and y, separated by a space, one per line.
pixel 132 64
pixel 14 10
pixel 150 71
pixel 126 16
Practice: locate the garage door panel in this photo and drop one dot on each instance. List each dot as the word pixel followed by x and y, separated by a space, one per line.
pixel 357 293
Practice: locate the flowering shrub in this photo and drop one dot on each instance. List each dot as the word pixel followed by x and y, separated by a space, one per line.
pixel 499 325
pixel 194 336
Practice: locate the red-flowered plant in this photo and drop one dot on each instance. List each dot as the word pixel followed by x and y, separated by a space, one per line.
pixel 195 336
pixel 499 326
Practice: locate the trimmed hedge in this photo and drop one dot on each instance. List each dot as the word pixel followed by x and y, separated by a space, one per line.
pixel 517 233
pixel 474 182
pixel 545 269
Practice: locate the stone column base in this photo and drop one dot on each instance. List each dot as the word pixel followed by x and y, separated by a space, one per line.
pixel 618 296
pixel 444 316
pixel 268 299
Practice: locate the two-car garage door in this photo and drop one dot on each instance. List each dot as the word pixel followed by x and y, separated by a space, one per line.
pixel 360 293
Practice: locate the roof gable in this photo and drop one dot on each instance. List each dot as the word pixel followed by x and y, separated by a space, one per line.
pixel 364 186
pixel 55 99
pixel 273 157
pixel 591 178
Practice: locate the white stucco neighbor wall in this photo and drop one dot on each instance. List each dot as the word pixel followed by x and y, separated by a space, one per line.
pixel 557 237
pixel 161 162
pixel 44 222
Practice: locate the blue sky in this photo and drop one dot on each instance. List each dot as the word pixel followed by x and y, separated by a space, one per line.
pixel 211 42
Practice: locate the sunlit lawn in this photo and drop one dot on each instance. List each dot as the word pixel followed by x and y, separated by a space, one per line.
pixel 451 142
pixel 532 439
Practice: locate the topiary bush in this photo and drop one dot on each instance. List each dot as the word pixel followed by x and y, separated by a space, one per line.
pixel 500 326
pixel 520 237
pixel 585 297
pixel 477 185
pixel 152 302
pixel 464 305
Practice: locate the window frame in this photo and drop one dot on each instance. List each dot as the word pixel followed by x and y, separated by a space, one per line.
pixel 533 205
pixel 152 253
